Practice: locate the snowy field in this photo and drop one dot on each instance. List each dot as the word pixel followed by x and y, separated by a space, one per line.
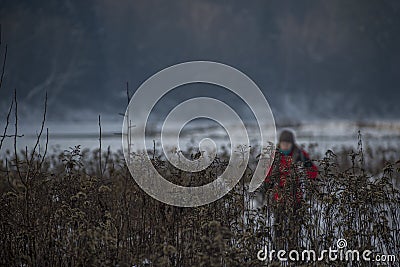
pixel 326 134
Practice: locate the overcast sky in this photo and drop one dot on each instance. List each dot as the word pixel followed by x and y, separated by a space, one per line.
pixel 312 59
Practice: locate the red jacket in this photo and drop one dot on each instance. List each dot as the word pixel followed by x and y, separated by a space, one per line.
pixel 282 167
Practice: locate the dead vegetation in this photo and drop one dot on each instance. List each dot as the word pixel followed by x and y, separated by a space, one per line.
pixel 67 209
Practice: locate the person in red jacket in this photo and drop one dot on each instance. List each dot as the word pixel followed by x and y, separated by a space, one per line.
pixel 283 184
pixel 290 161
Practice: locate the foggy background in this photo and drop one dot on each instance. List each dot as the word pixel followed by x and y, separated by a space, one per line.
pixel 314 60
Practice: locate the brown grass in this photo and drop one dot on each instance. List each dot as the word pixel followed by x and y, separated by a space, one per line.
pixel 62 210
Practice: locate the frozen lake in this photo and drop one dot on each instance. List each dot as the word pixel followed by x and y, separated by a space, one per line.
pixel 327 134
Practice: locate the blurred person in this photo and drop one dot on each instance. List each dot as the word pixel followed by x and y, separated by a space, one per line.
pixel 283 187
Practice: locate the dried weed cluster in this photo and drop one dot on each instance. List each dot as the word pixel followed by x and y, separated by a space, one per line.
pixel 63 210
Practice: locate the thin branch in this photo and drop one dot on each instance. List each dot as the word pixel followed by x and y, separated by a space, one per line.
pixel 3 68
pixel 11 135
pixel 7 123
pixel 15 136
pixel 100 168
pixel 4 61
pixel 107 159
pixel 127 92
pixel 45 149
pixel 39 135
